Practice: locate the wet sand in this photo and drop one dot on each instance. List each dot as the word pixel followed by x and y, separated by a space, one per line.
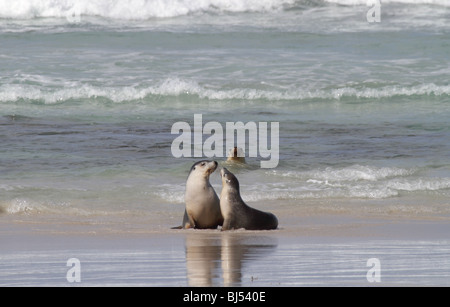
pixel 320 250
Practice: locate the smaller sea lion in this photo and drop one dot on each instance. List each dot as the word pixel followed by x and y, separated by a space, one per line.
pixel 236 213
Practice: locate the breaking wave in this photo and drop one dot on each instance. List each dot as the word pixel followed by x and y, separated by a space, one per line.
pixel 353 182
pixel 133 9
pixel 146 9
pixel 179 87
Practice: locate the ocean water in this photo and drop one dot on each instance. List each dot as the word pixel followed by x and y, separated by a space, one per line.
pixel 89 93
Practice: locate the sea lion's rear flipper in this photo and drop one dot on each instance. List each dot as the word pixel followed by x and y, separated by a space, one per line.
pixel 185 223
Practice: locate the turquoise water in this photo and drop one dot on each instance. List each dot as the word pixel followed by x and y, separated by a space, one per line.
pixel 88 96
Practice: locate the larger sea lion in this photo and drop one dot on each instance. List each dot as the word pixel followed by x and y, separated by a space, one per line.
pixel 202 204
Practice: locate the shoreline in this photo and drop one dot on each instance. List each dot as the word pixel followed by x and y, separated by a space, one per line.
pixel 324 251
pixel 315 221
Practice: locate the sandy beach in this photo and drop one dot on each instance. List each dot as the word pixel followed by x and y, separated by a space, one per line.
pixel 308 250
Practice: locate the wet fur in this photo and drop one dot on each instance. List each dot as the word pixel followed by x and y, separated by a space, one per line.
pixel 202 203
pixel 237 214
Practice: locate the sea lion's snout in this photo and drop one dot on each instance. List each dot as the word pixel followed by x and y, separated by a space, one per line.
pixel 223 172
pixel 226 176
pixel 213 167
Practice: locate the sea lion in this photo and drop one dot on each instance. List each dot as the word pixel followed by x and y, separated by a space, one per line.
pixel 236 213
pixel 202 203
pixel 236 155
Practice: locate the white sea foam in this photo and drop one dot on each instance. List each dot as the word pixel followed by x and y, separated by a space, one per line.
pixel 177 87
pixel 169 193
pixel 26 206
pixel 351 173
pixel 349 182
pixel 420 184
pixel 145 9
pixel 414 2
pixel 22 206
pixel 131 9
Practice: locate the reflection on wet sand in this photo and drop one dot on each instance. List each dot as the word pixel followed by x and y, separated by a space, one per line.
pixel 213 258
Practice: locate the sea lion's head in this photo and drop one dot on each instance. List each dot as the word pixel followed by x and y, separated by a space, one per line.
pixel 228 179
pixel 236 154
pixel 203 168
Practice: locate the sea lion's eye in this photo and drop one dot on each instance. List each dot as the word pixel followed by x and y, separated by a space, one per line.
pixel 203 164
